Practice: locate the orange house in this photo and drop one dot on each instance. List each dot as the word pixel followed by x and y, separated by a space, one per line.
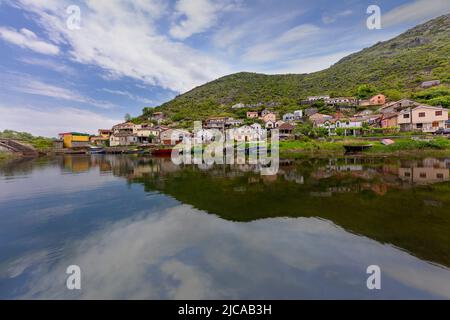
pixel 379 99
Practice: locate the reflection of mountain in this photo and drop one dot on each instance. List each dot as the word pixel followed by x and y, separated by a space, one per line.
pixel 366 196
pixel 368 199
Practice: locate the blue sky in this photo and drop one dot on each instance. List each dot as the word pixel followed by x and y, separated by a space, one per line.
pixel 127 55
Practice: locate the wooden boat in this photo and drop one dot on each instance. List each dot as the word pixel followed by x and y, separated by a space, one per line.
pixel 162 152
pixel 357 148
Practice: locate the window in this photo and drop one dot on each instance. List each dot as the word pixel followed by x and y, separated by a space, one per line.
pixel 419 126
pixel 407 174
pixel 435 124
pixel 406 116
pixel 438 113
pixel 423 175
pixel 422 115
pixel 440 176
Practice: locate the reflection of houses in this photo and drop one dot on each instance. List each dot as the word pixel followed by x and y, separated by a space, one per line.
pixel 424 175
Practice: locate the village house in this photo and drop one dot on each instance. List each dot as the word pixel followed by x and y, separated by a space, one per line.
pixel 158 117
pixel 286 131
pixel 318 118
pixel 269 125
pixel 311 111
pixel 298 115
pixel 378 100
pixel 279 123
pixel 398 106
pixel 247 133
pixel 74 140
pixel 272 117
pixel 222 123
pixel 342 100
pixel 173 137
pixel 288 117
pixel 123 134
pixel 102 139
pixel 252 115
pixel 423 118
pixel 389 120
pixel 148 133
pixel 265 112
pixel 204 136
pixel 238 106
pixel 351 126
pixel 317 98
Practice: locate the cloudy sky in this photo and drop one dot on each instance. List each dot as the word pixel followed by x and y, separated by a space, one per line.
pixel 127 55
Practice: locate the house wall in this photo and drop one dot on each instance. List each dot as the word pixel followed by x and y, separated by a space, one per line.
pixel 71 141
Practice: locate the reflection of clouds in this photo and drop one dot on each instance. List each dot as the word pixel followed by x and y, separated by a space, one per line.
pixel 185 254
pixel 44 181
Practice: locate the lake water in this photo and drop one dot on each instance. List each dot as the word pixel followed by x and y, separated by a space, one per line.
pixel 143 228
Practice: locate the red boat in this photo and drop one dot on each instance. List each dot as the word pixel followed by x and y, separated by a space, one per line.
pixel 162 152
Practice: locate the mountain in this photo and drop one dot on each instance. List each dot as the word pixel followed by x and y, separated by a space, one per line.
pixel 396 68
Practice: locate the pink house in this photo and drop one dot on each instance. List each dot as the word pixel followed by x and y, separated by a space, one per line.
pixel 269 117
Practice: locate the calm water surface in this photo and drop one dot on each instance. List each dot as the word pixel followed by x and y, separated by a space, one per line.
pixel 144 228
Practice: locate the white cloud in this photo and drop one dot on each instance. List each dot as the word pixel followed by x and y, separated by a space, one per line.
pixel 30 85
pixel 51 121
pixel 183 253
pixel 417 11
pixel 25 38
pixel 49 64
pixel 308 64
pixel 327 18
pixel 193 16
pixel 282 45
pixel 123 39
pixel 129 95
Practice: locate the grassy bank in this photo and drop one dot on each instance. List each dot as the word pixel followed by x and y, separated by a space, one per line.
pixel 39 143
pixel 6 156
pixel 298 149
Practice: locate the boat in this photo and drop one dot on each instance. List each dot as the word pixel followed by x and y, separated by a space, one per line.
pixel 96 150
pixel 357 148
pixel 162 152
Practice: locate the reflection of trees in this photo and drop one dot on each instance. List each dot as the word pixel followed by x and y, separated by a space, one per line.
pixel 365 196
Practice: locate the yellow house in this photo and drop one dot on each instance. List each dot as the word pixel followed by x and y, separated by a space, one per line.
pixel 74 139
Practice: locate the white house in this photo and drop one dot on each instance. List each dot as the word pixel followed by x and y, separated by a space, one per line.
pixel 288 117
pixel 298 114
pixel 351 126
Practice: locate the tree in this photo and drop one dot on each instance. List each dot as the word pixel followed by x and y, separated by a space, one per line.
pixel 127 117
pixel 365 91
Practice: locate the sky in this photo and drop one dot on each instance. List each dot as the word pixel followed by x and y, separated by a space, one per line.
pixel 69 65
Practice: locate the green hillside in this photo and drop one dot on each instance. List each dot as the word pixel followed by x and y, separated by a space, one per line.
pixel 396 68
